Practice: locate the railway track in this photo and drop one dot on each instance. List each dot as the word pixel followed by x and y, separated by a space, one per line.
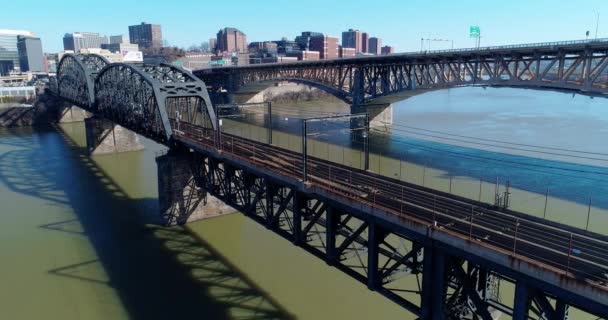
pixel 563 249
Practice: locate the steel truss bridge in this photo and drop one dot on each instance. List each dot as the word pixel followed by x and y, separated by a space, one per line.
pixel 579 66
pixel 435 254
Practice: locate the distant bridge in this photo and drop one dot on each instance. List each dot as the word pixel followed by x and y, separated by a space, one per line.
pixel 579 66
pixel 378 230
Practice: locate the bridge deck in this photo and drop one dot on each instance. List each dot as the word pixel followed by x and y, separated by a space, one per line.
pixel 516 49
pixel 563 250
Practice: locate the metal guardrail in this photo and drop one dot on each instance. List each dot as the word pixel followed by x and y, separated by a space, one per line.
pixel 601 41
pixel 571 254
pixel 526 46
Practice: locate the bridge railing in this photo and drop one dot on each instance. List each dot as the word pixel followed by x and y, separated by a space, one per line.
pixel 569 253
pixel 521 46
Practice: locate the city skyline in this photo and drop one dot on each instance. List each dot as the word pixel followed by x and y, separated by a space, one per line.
pixel 401 25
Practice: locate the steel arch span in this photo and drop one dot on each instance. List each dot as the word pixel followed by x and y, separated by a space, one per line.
pixel 145 98
pixel 578 67
pixel 76 74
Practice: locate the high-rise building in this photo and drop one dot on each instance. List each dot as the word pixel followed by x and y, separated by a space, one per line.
pixel 352 39
pixel 364 42
pixel 388 50
pixel 303 40
pixel 30 54
pixel 327 46
pixel 123 38
pixel 212 44
pixel 231 40
pixel 83 40
pixel 375 46
pixel 146 35
pixel 9 53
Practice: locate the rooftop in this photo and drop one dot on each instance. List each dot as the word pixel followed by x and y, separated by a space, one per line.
pixel 7 32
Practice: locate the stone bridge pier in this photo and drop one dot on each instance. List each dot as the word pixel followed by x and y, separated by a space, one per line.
pixel 69 113
pixel 182 192
pixel 380 115
pixel 106 137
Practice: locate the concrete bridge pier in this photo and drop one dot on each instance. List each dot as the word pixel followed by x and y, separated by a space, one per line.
pixel 69 113
pixel 106 137
pixel 380 115
pixel 182 196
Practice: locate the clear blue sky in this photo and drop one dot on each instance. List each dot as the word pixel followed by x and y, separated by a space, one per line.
pixel 400 23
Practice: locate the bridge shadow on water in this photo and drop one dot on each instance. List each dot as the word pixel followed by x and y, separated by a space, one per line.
pixel 158 272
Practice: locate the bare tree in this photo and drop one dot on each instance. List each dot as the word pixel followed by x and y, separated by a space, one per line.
pixel 194 48
pixel 169 53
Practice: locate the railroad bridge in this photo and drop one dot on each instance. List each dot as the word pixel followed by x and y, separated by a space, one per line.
pixel 385 233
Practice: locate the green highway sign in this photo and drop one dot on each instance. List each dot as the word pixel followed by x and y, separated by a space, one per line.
pixel 474 32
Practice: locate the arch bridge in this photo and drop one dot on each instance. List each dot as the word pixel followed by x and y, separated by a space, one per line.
pixel 379 230
pixel 140 97
pixel 579 66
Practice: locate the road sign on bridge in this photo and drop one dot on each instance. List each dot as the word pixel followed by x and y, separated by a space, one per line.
pixel 474 32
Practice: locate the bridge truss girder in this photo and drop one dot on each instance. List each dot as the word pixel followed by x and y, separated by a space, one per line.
pixel 76 74
pixel 584 70
pixel 386 257
pixel 143 98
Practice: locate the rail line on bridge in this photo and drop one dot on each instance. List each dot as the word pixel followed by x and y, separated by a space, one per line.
pixel 569 253
pixel 452 241
pixel 575 255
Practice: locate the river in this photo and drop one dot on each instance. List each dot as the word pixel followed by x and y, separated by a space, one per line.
pixel 77 242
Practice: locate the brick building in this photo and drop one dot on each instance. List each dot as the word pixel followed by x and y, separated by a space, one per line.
pixel 388 50
pixel 347 52
pixel 375 46
pixel 231 40
pixel 364 42
pixel 305 55
pixel 146 35
pixel 327 46
pixel 352 39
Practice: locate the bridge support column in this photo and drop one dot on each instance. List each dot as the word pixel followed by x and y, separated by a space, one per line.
pixel 182 194
pixel 69 113
pixel 522 301
pixel 299 204
pixel 333 219
pixel 380 115
pixel 358 93
pixel 434 283
pixel 106 137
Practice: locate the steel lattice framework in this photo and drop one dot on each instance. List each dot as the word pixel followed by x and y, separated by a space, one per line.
pixel 578 67
pixel 453 281
pixel 377 230
pixel 140 97
pixel 75 77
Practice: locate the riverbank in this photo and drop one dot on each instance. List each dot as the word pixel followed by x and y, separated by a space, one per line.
pixel 45 109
